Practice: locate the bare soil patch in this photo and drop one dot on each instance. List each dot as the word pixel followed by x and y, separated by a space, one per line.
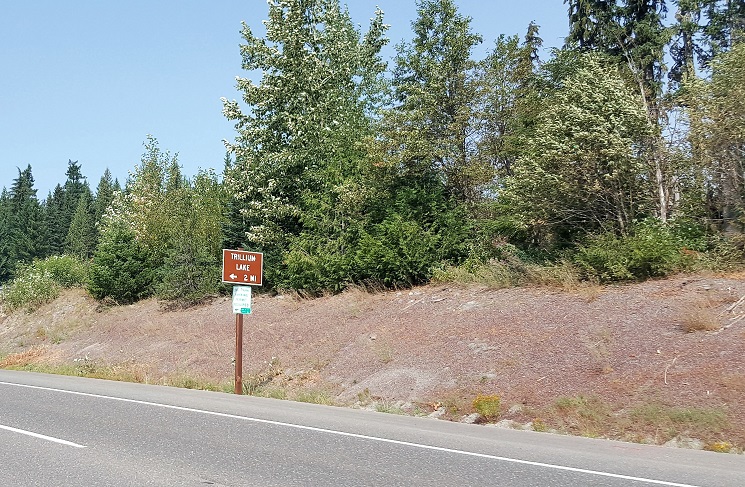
pixel 648 362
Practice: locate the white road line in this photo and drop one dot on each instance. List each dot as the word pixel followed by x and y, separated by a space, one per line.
pixel 364 437
pixel 43 437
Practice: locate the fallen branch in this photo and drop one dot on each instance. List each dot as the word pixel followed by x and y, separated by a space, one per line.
pixel 735 320
pixel 735 305
pixel 668 366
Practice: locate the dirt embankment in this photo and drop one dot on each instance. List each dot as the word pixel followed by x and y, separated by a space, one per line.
pixel 616 361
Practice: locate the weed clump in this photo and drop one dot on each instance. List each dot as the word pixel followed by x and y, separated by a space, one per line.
pixel 719 446
pixel 487 406
pixel 699 316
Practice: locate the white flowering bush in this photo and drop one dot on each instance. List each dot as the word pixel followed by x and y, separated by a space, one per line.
pixel 41 282
pixel 30 289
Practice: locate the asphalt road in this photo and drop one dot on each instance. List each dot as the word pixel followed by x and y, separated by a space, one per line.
pixel 69 431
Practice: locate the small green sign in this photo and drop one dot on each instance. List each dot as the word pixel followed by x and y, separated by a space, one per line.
pixel 242 300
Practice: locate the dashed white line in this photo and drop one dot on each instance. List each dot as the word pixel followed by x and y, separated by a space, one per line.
pixel 40 436
pixel 365 437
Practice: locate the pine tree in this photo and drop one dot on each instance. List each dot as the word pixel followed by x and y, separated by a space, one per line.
pixel 74 188
pixel 54 207
pixel 726 26
pixel 234 226
pixel 105 191
pixel 6 249
pixel 81 238
pixel 28 237
pixel 121 269
pixel 632 32
pixel 685 48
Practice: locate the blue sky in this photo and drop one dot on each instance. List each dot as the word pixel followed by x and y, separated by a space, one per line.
pixel 88 80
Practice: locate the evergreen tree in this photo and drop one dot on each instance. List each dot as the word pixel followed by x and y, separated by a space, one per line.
pixel 121 269
pixel 632 32
pixel 593 24
pixel 234 222
pixel 81 238
pixel 54 207
pixel 105 191
pixel 74 189
pixel 28 237
pixel 726 26
pixel 6 248
pixel 685 47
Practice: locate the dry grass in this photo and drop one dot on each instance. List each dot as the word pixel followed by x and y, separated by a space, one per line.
pixel 22 359
pixel 599 342
pixel 650 422
pixel 700 315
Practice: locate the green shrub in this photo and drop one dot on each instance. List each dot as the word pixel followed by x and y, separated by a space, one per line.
pixel 65 270
pixel 651 250
pixel 398 252
pixel 315 265
pixel 189 274
pixel 728 252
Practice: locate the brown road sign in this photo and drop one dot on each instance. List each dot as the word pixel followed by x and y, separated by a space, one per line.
pixel 242 267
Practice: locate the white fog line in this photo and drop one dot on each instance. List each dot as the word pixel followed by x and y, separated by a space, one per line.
pixel 40 436
pixel 598 473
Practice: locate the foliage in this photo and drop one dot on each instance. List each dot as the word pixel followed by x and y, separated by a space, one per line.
pixel 630 31
pixel 6 256
pixel 27 235
pixel 503 170
pixel 30 289
pixel 105 191
pixel 81 237
pixel 163 233
pixel 650 250
pixel 40 282
pixel 299 147
pixel 191 269
pixel 717 113
pixel 66 270
pixel 506 102
pixel 428 129
pixel 146 205
pixel 61 207
pixel 121 269
pixel 398 252
pixel 584 170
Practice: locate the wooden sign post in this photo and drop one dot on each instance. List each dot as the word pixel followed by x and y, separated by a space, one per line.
pixel 241 268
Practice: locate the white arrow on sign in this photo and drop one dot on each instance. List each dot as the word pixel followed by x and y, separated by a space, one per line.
pixel 233 276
